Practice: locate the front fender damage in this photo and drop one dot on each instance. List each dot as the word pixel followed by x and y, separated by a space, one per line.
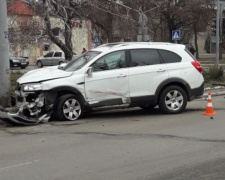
pixel 31 108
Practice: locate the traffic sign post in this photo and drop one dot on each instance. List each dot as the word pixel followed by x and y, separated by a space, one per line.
pixel 176 35
pixel 97 39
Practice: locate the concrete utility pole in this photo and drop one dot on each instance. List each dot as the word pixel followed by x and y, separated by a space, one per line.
pixel 4 57
pixel 218 33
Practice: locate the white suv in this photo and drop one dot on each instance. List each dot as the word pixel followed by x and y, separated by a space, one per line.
pixel 112 75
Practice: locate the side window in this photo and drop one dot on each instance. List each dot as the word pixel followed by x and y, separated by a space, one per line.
pixel 115 60
pixel 58 54
pixel 143 57
pixel 169 57
pixel 50 54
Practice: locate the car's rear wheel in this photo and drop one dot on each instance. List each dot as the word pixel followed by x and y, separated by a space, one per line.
pixel 173 100
pixel 69 108
pixel 39 64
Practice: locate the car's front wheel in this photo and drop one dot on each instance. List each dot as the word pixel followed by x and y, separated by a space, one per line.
pixel 69 108
pixel 173 100
pixel 39 64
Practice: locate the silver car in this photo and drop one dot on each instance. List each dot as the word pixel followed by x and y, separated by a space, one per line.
pixel 51 59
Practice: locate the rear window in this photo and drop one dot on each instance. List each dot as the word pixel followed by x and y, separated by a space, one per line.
pixel 170 57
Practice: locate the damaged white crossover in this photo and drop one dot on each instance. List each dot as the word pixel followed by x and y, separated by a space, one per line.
pixel 114 75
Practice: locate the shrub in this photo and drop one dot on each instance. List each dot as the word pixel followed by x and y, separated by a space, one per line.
pixel 215 73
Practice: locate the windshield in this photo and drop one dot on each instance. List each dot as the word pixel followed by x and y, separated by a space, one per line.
pixel 81 61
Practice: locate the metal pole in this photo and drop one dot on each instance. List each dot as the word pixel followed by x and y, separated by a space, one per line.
pixel 4 57
pixel 218 33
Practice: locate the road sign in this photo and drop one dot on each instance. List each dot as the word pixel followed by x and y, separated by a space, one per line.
pixel 176 35
pixel 97 39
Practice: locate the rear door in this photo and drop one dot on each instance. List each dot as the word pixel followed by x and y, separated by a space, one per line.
pixel 146 72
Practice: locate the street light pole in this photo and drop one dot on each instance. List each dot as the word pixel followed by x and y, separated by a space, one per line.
pixel 4 57
pixel 218 33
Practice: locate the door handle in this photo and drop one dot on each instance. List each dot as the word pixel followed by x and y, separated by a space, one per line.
pixel 161 70
pixel 121 76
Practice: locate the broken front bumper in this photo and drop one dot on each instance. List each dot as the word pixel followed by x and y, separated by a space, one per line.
pixel 31 108
pixel 22 120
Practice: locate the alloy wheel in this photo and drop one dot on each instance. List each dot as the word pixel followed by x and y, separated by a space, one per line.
pixel 174 100
pixel 72 109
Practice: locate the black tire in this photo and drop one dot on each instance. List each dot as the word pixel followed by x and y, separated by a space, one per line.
pixel 173 100
pixel 148 107
pixel 69 107
pixel 39 64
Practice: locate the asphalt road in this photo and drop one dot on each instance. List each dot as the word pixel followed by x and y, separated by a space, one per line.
pixel 121 144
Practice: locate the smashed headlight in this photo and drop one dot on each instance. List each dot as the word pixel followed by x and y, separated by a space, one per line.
pixel 32 87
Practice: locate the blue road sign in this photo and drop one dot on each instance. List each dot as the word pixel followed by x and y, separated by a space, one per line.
pixel 176 35
pixel 97 39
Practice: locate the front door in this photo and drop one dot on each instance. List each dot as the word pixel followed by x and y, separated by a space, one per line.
pixel 108 84
pixel 47 60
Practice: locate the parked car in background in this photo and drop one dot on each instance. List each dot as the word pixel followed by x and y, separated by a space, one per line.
pixel 51 59
pixel 21 62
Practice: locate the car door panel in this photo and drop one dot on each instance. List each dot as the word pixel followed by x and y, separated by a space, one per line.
pixel 144 80
pixel 146 73
pixel 107 85
pixel 47 59
pixel 109 81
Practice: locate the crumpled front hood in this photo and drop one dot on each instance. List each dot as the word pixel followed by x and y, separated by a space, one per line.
pixel 43 74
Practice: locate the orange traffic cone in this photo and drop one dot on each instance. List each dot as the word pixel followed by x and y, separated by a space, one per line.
pixel 209 109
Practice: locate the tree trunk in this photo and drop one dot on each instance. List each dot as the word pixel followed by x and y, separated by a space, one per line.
pixel 196 41
pixel 4 57
pixel 110 28
pixel 68 40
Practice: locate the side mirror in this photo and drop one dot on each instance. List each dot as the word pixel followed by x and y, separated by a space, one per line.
pixel 61 66
pixel 89 71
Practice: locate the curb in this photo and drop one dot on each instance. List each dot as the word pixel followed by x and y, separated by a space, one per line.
pixel 218 93
pixel 215 91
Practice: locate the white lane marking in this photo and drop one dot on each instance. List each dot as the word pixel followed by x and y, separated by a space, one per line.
pixel 18 165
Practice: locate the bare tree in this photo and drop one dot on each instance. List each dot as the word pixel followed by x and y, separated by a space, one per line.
pixel 66 11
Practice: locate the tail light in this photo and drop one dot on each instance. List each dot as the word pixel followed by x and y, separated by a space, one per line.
pixel 197 65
